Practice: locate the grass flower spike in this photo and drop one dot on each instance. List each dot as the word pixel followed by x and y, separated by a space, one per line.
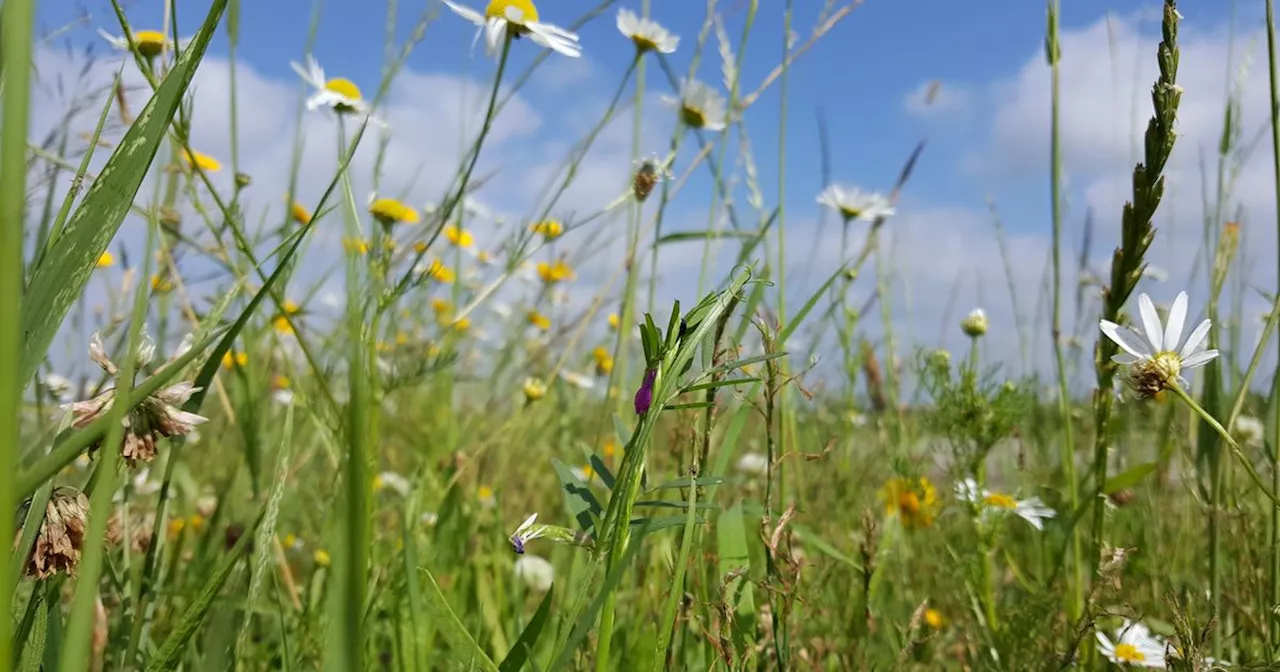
pixel 1031 510
pixel 700 106
pixel 647 34
pixel 854 204
pixel 1153 359
pixel 517 18
pixel 1135 646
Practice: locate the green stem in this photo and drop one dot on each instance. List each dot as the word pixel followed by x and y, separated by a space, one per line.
pixel 1231 443
pixel 1274 578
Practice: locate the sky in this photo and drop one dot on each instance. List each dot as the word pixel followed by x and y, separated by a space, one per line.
pixel 986 132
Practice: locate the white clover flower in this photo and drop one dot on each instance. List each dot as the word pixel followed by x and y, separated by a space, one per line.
pixel 1154 361
pixel 752 463
pixel 1134 646
pixel 517 18
pixel 536 572
pixel 647 34
pixel 852 203
pixel 700 106
pixel 1031 510
pixel 339 94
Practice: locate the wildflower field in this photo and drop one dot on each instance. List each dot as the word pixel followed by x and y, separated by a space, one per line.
pixel 503 370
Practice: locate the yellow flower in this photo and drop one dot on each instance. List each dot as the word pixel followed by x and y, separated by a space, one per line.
pixel 149 43
pixel 107 260
pixel 554 272
pixel 440 273
pixel 176 526
pixel 542 322
pixel 604 360
pixel 613 321
pixel 459 237
pixel 281 382
pixel 610 449
pixel 463 325
pixel 402 338
pixel 913 502
pixel 483 257
pixel 357 245
pixel 196 522
pixel 550 229
pixel 420 247
pixel 534 389
pixel 237 359
pixel 299 213
pixel 290 540
pixel 443 307
pixel 161 285
pixel 484 493
pixel 322 559
pixel 290 308
pixel 282 325
pixel 933 618
pixel 202 161
pixel 391 211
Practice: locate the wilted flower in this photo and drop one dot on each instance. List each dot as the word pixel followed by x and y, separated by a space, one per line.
pixel 648 35
pixel 1154 362
pixel 975 324
pixel 536 572
pixel 156 417
pixel 61 537
pixel 517 18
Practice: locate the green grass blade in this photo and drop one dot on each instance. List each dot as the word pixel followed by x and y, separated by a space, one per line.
pixel 465 649
pixel 795 322
pixel 676 595
pixel 523 647
pixel 57 284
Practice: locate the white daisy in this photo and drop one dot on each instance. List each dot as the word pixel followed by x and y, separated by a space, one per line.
pixel 339 94
pixel 1031 510
pixel 536 572
pixel 393 481
pixel 578 380
pixel 1134 645
pixel 700 106
pixel 1154 361
pixel 647 34
pixel 150 43
pixel 852 203
pixel 520 17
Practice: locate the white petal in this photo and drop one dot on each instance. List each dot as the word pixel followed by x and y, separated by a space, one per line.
pixel 1126 338
pixel 555 39
pixel 1125 359
pixel 1151 323
pixel 1177 316
pixel 495 30
pixel 467 13
pixel 1199 359
pixel 1195 339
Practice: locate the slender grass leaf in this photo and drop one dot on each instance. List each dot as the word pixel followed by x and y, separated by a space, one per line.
pixel 523 647
pixel 1129 478
pixel 454 632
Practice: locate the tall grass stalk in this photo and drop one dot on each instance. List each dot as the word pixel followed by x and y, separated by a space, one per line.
pixel 1053 53
pixel 17 22
pixel 1273 576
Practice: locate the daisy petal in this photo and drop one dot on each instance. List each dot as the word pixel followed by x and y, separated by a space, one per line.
pixel 467 13
pixel 1126 338
pixel 494 32
pixel 1177 317
pixel 1125 359
pixel 1199 359
pixel 1196 339
pixel 1151 323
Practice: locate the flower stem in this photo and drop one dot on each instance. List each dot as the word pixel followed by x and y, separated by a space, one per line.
pixel 1231 443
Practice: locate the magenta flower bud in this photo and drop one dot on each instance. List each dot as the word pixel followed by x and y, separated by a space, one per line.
pixel 644 395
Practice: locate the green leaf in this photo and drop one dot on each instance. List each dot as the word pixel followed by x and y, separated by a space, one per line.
pixel 1129 478
pixel 684 483
pixel 798 318
pixel 59 282
pixel 454 632
pixel 524 645
pixel 695 236
pixel 810 538
pixel 170 653
pixel 579 499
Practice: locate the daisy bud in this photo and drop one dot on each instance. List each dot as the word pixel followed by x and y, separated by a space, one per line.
pixel 975 324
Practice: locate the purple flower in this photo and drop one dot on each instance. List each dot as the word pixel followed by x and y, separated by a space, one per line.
pixel 644 395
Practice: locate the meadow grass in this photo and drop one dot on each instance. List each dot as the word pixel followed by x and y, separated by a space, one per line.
pixel 420 474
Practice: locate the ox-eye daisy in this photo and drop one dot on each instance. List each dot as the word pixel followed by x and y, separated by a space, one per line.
pixel 853 203
pixel 700 106
pixel 148 43
pixel 1031 510
pixel 647 34
pixel 339 94
pixel 517 18
pixel 1134 645
pixel 1154 360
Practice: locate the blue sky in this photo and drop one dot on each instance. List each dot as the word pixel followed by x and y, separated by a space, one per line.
pixel 987 133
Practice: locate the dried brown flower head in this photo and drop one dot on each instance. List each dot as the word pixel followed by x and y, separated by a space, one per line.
pixel 61 538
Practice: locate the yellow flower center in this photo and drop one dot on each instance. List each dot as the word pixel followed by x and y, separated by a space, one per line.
pixel 1129 653
pixel 107 260
pixel 282 325
pixel 643 43
pixel 525 11
pixel 459 237
pixel 441 306
pixel 999 500
pixel 202 161
pixel 534 389
pixel 357 245
pixel 391 211
pixel 439 272
pixel 850 213
pixel 613 320
pixel 322 558
pixel 555 272
pixel 692 117
pixel 542 322
pixel 345 88
pixel 291 308
pixel 150 43
pixel 550 229
pixel 1151 376
pixel 484 492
